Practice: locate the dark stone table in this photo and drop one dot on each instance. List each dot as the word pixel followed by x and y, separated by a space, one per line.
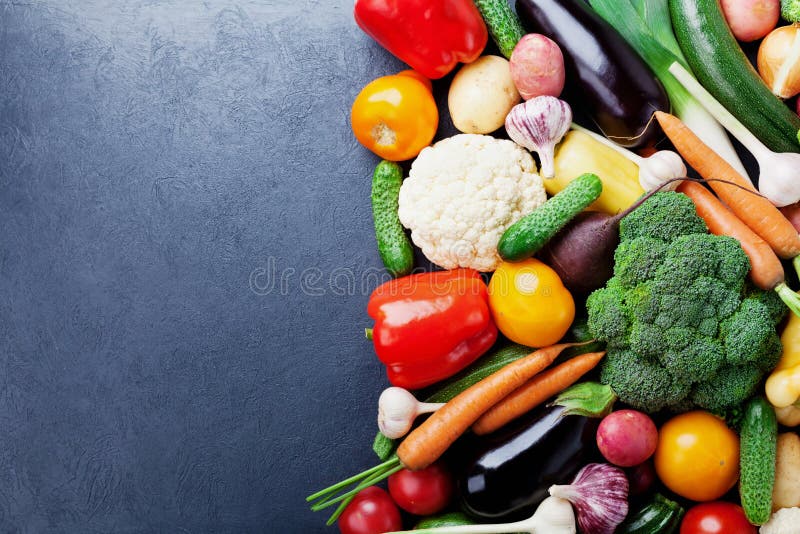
pixel 185 259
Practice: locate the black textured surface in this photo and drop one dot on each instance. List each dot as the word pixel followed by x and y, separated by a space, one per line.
pixel 157 160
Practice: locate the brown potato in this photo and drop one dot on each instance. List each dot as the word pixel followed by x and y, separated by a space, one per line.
pixel 481 95
pixel 786 493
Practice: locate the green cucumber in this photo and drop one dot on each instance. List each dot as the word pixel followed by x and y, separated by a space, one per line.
pixel 720 65
pixel 525 237
pixel 658 516
pixel 503 24
pixel 483 367
pixel 451 519
pixel 757 450
pixel 394 246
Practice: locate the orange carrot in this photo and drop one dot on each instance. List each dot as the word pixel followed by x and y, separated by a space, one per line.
pixel 536 391
pixel 754 210
pixel 766 270
pixel 425 444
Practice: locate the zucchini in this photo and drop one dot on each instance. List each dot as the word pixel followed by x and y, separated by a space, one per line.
pixel 720 65
pixel 757 451
pixel 451 519
pixel 525 237
pixel 394 246
pixel 658 516
pixel 494 361
pixel 503 24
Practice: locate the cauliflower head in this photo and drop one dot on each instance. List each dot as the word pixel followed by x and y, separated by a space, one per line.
pixel 461 195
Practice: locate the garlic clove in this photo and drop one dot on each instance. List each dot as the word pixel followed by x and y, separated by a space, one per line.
pixel 779 178
pixel 599 494
pixel 779 61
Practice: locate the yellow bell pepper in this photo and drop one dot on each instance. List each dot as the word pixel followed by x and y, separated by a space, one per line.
pixel 578 154
pixel 529 303
pixel 783 385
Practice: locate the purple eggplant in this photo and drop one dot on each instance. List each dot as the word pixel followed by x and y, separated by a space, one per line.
pixel 509 472
pixel 605 76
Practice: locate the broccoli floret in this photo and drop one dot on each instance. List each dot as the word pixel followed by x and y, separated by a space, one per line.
pixel 733 262
pixel 641 382
pixel 689 257
pixel 749 336
pixel 777 308
pixel 697 361
pixel 790 10
pixel 728 388
pixel 637 260
pixel 610 321
pixel 682 328
pixel 664 216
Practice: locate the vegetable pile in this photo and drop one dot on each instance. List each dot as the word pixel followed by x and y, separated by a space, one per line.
pixel 610 345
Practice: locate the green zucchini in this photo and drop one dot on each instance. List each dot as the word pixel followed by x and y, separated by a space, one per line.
pixel 451 519
pixel 657 516
pixel 483 367
pixel 394 246
pixel 503 24
pixel 757 450
pixel 720 65
pixel 525 237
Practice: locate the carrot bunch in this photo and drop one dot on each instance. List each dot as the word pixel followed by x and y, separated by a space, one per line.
pixel 491 403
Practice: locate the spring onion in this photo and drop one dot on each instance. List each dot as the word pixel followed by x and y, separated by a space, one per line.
pixel 648 29
pixel 779 172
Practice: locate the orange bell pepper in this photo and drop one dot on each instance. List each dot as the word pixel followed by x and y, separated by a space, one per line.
pixel 395 116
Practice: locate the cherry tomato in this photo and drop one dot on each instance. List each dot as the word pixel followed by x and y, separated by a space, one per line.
pixel 717 517
pixel 529 303
pixel 371 512
pixel 395 116
pixel 422 492
pixel 697 456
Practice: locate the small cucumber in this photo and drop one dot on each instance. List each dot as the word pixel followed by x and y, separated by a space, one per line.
pixel 483 367
pixel 658 516
pixel 503 24
pixel 451 519
pixel 525 237
pixel 757 451
pixel 394 246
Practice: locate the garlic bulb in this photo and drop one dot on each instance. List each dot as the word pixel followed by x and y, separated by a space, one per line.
pixel 397 409
pixel 599 494
pixel 538 125
pixel 658 169
pixel 779 60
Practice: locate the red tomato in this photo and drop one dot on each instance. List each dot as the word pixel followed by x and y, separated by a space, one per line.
pixel 718 517
pixel 423 492
pixel 371 512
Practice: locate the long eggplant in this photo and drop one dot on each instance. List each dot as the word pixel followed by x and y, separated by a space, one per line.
pixel 510 471
pixel 605 76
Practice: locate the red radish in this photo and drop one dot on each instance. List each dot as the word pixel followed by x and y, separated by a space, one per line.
pixel 751 20
pixel 537 67
pixel 627 437
pixel 641 477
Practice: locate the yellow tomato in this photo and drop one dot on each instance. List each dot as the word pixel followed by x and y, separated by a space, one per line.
pixel 395 116
pixel 697 456
pixel 529 303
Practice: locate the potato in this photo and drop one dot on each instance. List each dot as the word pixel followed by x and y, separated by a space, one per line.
pixel 537 67
pixel 786 493
pixel 788 416
pixel 481 95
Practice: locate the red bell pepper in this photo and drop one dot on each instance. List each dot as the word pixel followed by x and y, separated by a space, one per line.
pixel 429 326
pixel 432 36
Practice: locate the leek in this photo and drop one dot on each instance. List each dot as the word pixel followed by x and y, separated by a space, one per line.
pixel 646 26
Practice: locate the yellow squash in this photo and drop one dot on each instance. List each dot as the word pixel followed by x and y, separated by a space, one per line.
pixel 783 385
pixel 578 154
